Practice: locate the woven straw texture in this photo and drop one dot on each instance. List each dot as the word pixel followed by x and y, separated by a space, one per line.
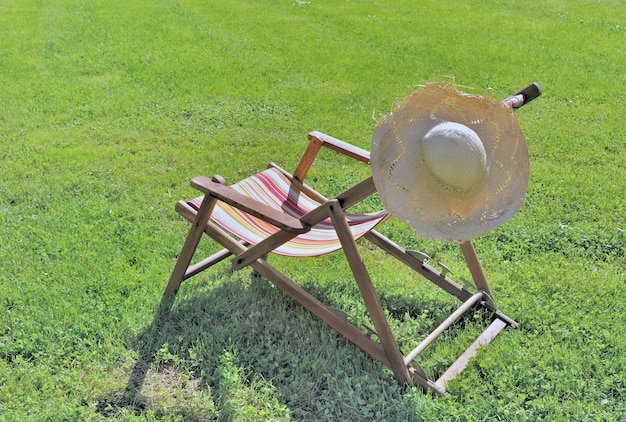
pixel 409 186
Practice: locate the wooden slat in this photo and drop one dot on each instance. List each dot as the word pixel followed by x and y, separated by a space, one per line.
pixel 191 243
pixel 442 327
pixel 307 159
pixel 264 212
pixel 188 212
pixel 424 269
pixel 475 268
pixel 424 382
pixel 342 147
pixel 207 263
pixel 356 193
pixel 396 363
pixel 485 338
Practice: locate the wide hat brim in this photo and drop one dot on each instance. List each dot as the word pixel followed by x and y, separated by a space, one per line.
pixel 410 190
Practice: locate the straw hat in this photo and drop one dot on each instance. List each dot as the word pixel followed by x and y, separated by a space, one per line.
pixel 455 166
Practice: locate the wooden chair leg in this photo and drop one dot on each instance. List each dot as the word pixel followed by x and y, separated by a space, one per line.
pixel 475 268
pixel 396 361
pixel 191 243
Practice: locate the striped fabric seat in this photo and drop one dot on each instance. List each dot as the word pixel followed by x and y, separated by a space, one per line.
pixel 272 188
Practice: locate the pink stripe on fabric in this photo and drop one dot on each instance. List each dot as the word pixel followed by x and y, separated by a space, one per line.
pixel 273 188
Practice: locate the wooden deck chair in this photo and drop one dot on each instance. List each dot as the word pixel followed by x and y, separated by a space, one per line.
pixel 274 211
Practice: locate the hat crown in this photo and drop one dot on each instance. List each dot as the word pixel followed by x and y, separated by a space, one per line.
pixel 455 156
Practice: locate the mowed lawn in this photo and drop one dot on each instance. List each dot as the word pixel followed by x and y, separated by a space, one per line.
pixel 109 108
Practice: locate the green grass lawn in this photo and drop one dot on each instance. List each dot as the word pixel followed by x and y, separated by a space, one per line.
pixel 108 108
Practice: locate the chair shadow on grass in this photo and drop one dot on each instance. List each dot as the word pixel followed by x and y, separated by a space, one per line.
pixel 226 325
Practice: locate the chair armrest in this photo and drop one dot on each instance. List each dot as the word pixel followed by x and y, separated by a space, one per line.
pixel 264 212
pixel 342 147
